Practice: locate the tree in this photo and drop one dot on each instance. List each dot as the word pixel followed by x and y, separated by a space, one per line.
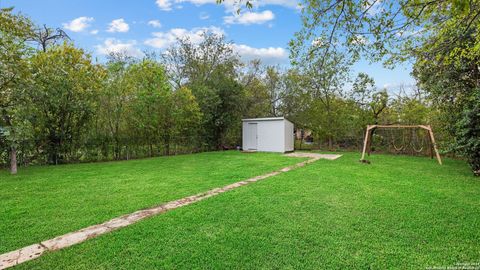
pixel 190 62
pixel 448 69
pixel 65 87
pixel 274 82
pixel 14 77
pixel 324 80
pixel 113 103
pixel 295 97
pixel 46 37
pixel 468 129
pixel 264 89
pixel 152 97
pixel 186 116
pixel 257 98
pixel 209 70
pixel 371 100
pixel 390 30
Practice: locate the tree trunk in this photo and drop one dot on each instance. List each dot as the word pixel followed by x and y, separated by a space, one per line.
pixel 117 148
pixel 301 139
pixel 13 160
pixel 167 145
pixel 330 143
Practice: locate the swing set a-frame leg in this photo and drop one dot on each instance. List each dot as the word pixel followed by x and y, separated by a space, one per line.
pixel 367 142
pixel 432 139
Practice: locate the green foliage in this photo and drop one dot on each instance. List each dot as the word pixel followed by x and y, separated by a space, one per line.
pixel 257 98
pixel 134 89
pixel 65 87
pixel 209 70
pixel 14 32
pixel 186 115
pixel 15 29
pixel 371 100
pixel 113 113
pixel 468 133
pixel 386 30
pixel 323 80
pixel 153 97
pixel 447 67
pixel 409 111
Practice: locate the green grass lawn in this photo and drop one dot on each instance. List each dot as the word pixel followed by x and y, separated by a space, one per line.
pixel 43 202
pixel 396 213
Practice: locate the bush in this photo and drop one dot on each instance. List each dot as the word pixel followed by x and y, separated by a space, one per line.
pixel 468 134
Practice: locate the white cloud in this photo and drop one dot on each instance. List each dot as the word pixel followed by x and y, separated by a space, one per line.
pixel 163 40
pixel 155 23
pixel 112 45
pixel 94 32
pixel 270 55
pixel 164 4
pixel 79 24
pixel 118 25
pixel 250 18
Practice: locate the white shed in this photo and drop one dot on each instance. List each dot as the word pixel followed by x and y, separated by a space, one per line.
pixel 273 134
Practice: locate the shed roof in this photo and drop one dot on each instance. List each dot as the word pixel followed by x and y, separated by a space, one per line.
pixel 265 119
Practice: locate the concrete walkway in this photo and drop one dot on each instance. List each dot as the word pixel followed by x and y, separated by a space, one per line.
pixel 34 251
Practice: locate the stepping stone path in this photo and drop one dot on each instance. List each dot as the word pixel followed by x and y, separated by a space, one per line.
pixel 34 251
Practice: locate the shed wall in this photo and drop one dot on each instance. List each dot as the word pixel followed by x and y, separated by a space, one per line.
pixel 289 136
pixel 271 136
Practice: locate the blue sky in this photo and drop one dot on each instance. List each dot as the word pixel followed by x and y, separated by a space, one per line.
pixel 102 26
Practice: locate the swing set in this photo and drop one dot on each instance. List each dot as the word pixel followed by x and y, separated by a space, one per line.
pixel 414 140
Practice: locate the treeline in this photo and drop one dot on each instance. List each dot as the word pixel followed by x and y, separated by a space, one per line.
pixel 60 106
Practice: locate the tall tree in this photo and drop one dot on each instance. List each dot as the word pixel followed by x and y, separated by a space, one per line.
pixel 114 101
pixel 66 85
pixel 324 80
pixel 152 98
pixel 257 98
pixel 209 68
pixel 274 83
pixel 387 30
pixel 186 118
pixel 14 78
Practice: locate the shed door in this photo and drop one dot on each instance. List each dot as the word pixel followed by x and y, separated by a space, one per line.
pixel 252 137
